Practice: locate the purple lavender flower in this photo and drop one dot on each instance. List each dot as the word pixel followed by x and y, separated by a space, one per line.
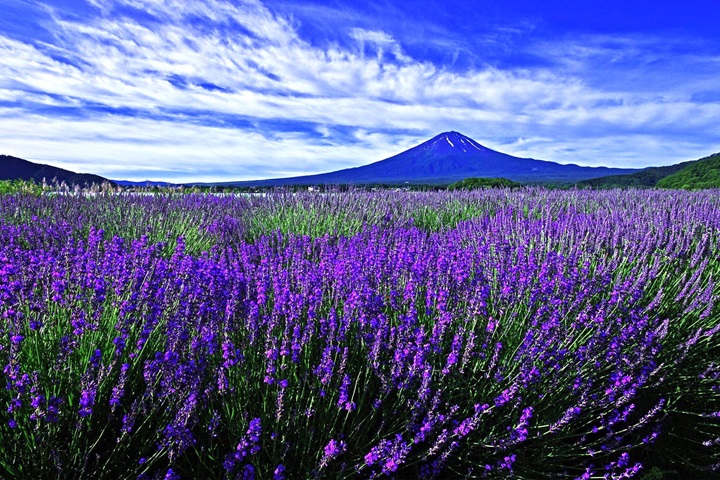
pixel 87 401
pixel 332 450
pixel 171 475
pixel 249 445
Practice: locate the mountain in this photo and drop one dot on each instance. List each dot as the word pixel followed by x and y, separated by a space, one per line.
pixel 13 168
pixel 703 173
pixel 645 178
pixel 444 159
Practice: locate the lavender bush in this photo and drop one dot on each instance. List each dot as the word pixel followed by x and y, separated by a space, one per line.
pixel 493 334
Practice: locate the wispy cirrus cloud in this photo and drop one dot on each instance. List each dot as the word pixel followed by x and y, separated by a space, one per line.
pixel 217 90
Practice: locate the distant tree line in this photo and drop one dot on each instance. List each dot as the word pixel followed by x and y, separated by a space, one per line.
pixel 480 182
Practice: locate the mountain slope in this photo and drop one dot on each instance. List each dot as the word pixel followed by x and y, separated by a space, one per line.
pixel 13 168
pixel 703 173
pixel 645 178
pixel 444 159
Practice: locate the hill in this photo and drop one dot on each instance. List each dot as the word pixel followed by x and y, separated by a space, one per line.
pixel 13 168
pixel 444 159
pixel 645 178
pixel 703 173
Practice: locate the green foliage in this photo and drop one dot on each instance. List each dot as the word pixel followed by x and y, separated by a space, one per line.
pixel 316 214
pixel 704 173
pixel 480 182
pixel 449 215
pixel 9 187
pixel 645 178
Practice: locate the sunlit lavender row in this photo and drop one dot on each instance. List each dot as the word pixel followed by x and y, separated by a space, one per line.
pixel 493 334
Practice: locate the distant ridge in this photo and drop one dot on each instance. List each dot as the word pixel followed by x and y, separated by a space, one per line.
pixel 444 159
pixel 703 173
pixel 645 178
pixel 13 168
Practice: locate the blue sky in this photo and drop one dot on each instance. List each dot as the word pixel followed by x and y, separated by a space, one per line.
pixel 187 90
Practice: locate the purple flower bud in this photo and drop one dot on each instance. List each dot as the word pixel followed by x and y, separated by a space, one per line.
pixel 87 400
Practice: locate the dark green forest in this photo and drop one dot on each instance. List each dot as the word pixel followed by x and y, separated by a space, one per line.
pixel 705 173
pixel 480 182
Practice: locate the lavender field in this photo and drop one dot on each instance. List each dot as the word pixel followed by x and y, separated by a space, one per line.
pixel 493 334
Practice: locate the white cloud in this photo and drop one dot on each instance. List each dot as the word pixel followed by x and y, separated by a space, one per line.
pixel 382 42
pixel 242 59
pixel 137 149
